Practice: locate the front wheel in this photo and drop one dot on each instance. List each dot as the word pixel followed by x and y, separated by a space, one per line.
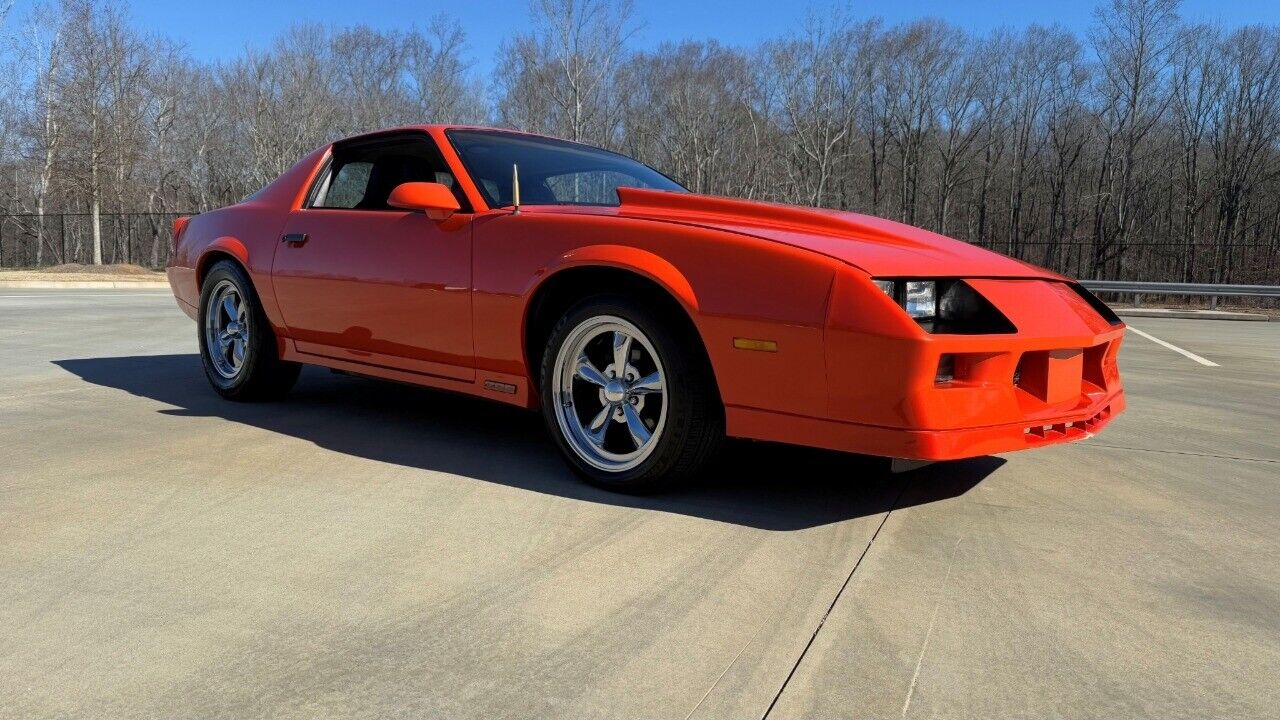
pixel 630 402
pixel 237 345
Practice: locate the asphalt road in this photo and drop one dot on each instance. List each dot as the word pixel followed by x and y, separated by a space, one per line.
pixel 370 550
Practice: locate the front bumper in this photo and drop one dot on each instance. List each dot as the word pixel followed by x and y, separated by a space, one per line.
pixel 897 391
pixel 932 445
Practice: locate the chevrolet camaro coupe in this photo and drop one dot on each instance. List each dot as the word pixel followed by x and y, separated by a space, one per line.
pixel 646 322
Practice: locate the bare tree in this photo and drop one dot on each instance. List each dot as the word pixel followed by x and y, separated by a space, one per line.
pixel 104 69
pixel 925 53
pixel 1246 126
pixel 558 78
pixel 961 123
pixel 686 107
pixel 1067 124
pixel 442 89
pixel 817 96
pixel 1197 82
pixel 44 49
pixel 1135 41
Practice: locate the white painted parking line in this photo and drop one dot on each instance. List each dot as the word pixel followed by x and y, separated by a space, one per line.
pixel 1175 348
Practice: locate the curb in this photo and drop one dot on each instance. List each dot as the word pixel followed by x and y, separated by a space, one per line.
pixel 1190 314
pixel 84 285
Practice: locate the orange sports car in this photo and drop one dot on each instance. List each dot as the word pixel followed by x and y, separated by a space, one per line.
pixel 646 322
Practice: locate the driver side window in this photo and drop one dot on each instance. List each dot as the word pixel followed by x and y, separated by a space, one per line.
pixel 348 186
pixel 363 173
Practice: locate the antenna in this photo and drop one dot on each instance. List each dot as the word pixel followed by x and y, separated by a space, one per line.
pixel 515 189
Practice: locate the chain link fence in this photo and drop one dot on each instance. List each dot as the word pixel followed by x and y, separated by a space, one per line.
pixel 29 240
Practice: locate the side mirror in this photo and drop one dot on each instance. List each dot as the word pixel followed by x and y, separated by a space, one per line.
pixel 433 199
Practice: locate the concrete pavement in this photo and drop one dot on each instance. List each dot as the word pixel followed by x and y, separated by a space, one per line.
pixel 369 550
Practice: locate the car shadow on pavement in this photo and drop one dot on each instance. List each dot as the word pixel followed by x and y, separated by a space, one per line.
pixel 761 485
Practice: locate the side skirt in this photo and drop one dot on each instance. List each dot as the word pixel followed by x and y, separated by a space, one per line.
pixel 500 387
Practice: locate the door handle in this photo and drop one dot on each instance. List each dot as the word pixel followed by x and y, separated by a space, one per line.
pixel 295 239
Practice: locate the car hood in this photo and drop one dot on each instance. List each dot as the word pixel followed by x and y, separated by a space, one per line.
pixel 882 248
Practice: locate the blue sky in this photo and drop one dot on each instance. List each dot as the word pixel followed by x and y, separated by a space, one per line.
pixel 217 29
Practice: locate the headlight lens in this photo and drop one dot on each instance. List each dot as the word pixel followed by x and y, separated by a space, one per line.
pixel 918 297
pixel 921 298
pixel 948 306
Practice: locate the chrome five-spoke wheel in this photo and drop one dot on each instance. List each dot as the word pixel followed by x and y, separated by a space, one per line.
pixel 610 393
pixel 227 329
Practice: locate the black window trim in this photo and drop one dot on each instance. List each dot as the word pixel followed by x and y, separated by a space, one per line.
pixel 319 181
pixel 1096 303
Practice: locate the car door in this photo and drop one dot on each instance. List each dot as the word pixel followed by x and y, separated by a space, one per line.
pixel 359 281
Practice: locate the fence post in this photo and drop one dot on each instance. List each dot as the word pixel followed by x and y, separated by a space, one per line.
pixel 1137 299
pixel 1213 302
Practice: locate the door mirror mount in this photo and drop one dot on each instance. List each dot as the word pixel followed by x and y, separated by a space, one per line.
pixel 434 200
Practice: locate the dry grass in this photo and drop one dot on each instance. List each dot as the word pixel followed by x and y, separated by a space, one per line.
pixel 122 269
pixel 85 273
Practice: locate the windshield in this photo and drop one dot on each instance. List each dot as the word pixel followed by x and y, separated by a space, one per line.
pixel 552 172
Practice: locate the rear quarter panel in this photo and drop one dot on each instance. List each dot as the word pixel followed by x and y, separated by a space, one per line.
pixel 248 231
pixel 245 232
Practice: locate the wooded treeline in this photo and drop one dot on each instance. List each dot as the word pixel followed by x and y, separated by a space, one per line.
pixel 1148 149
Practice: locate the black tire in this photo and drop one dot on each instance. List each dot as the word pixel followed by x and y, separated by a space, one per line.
pixel 694 424
pixel 262 375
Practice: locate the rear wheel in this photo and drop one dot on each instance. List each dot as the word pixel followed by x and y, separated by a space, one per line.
pixel 631 404
pixel 237 345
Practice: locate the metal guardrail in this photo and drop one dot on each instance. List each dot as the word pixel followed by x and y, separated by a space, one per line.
pixel 1164 288
pixel 1213 292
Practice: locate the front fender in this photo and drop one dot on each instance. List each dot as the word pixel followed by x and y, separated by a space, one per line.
pixel 733 287
pixel 622 257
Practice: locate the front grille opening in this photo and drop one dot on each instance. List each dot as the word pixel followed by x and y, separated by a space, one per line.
pixel 1051 376
pixel 1094 371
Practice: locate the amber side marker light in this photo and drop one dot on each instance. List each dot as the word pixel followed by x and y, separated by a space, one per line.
pixel 760 345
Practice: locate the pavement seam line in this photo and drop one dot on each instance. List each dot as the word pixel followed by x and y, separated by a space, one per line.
pixel 924 647
pixel 1192 453
pixel 724 672
pixel 1175 348
pixel 823 620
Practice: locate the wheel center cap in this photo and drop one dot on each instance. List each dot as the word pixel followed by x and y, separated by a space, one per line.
pixel 615 391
